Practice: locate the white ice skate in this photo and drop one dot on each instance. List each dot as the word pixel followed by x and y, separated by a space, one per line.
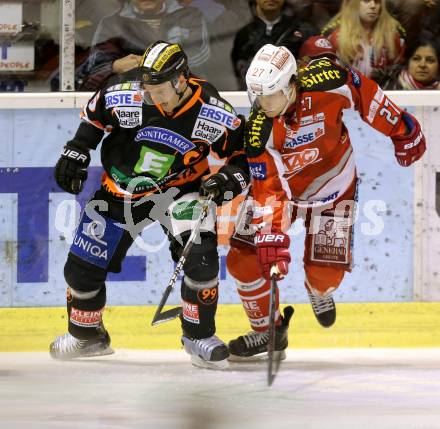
pixel 208 352
pixel 68 347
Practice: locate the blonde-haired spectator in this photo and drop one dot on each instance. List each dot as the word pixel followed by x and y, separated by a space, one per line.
pixel 366 36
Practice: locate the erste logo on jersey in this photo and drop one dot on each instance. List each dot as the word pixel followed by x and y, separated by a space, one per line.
pixel 166 137
pixel 129 117
pixel 207 130
pixel 219 116
pixel 311 128
pixel 123 99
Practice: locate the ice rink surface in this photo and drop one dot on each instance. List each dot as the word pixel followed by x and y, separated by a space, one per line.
pixel 322 388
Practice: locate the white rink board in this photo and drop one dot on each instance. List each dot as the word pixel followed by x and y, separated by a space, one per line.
pixel 427 215
pixel 314 389
pixel 33 140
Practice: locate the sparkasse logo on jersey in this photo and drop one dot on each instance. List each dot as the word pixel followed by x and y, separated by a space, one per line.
pixel 305 135
pixel 220 116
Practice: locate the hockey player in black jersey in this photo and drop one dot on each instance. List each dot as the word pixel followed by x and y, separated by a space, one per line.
pixel 159 124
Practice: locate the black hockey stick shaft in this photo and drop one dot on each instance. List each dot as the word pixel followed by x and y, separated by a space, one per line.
pixel 192 238
pixel 157 316
pixel 272 366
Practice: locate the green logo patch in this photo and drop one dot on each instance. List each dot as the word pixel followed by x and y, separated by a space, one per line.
pixel 142 184
pixel 154 163
pixel 186 210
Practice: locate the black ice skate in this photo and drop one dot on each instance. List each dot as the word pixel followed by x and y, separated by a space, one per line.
pixel 324 308
pixel 68 347
pixel 208 352
pixel 253 346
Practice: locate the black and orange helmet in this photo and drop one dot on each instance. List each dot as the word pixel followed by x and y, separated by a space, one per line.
pixel 163 61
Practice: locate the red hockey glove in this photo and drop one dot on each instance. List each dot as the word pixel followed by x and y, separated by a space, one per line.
pixel 273 250
pixel 411 147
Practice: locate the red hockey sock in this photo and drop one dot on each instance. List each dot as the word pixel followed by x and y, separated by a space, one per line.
pixel 255 297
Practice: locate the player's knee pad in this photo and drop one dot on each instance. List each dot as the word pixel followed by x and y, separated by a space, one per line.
pixel 82 276
pixel 242 264
pixel 323 278
pixel 202 262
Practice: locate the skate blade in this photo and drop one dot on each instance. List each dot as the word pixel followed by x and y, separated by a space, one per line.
pixel 261 357
pixel 93 352
pixel 202 363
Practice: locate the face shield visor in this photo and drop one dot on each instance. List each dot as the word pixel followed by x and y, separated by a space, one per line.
pixel 273 104
pixel 161 93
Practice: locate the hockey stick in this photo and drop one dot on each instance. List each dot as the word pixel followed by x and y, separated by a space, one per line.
pixel 159 316
pixel 272 364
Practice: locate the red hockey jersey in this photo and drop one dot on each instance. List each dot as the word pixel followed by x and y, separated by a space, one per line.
pixel 305 156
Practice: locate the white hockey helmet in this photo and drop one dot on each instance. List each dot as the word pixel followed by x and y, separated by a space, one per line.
pixel 271 70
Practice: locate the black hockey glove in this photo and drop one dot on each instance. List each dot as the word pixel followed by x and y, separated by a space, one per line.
pixel 71 168
pixel 229 182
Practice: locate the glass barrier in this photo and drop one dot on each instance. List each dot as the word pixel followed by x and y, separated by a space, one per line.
pixel 29 38
pixel 220 38
pixel 120 33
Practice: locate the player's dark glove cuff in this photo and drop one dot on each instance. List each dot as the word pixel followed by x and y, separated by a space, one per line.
pixel 71 168
pixel 229 182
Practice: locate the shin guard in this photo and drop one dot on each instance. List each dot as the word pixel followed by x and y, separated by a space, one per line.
pixel 255 297
pixel 199 304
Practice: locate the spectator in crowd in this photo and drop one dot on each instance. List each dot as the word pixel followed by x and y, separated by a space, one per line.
pixel 366 36
pixel 421 70
pixel 224 18
pixel 316 12
pixel 416 16
pixel 121 37
pixel 88 14
pixel 270 25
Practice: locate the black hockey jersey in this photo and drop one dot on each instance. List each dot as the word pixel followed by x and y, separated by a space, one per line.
pixel 160 151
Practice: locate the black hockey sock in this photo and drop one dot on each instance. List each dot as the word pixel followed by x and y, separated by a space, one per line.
pixel 199 308
pixel 85 313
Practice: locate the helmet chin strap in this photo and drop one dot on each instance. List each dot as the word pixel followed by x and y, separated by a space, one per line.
pixel 181 93
pixel 288 102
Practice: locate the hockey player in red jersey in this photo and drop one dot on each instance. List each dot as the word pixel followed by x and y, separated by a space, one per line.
pixel 302 165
